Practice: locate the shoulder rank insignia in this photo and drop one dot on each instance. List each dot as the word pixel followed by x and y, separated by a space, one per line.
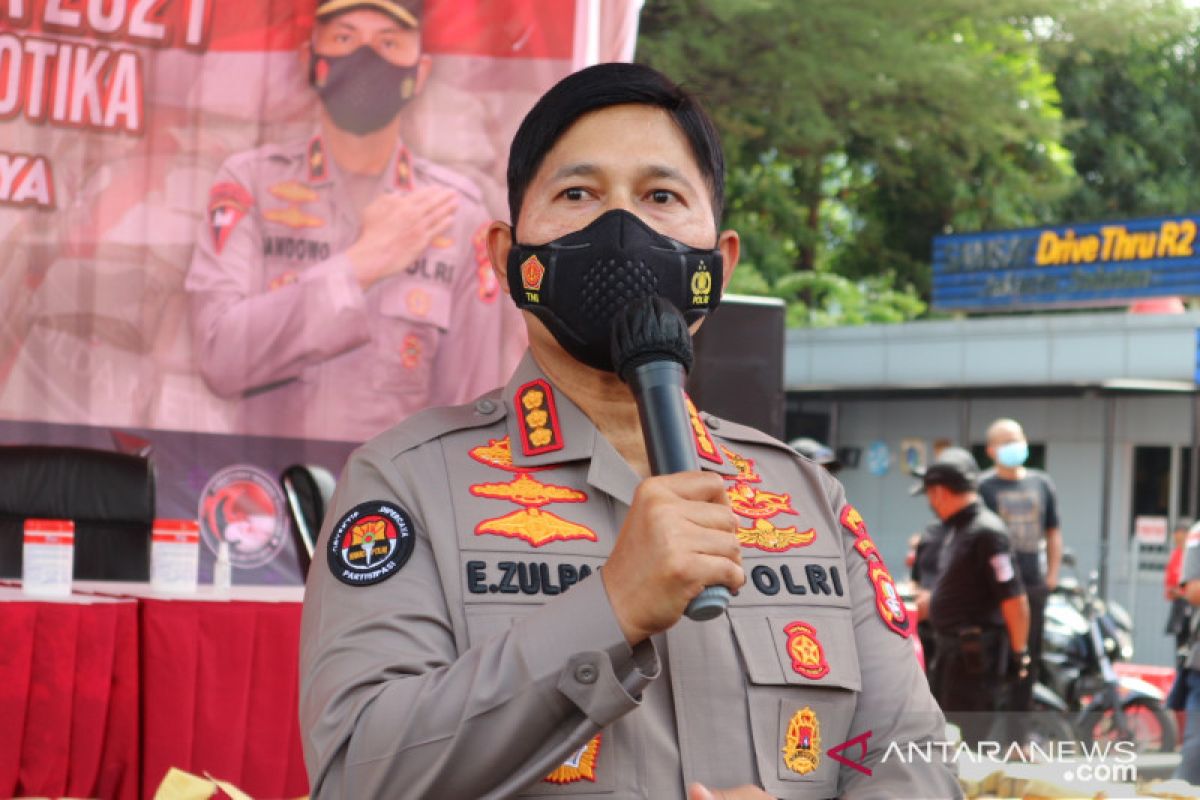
pixel 763 535
pixel 318 170
pixel 540 431
pixel 531 524
pixel 804 648
pixel 580 766
pixel 227 204
pixel 403 178
pixel 705 447
pixel 370 543
pixel 802 747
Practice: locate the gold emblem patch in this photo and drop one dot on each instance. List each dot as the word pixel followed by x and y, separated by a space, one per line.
pixel 293 192
pixel 535 526
pixel 758 504
pixel 580 766
pixel 293 217
pixel 763 535
pixel 802 748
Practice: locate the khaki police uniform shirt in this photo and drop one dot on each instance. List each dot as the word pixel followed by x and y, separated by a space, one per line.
pixel 458 641
pixel 281 324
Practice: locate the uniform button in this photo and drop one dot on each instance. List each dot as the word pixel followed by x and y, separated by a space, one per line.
pixel 712 422
pixel 586 673
pixel 485 406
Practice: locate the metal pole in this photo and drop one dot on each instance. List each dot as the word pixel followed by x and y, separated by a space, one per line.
pixel 1106 468
pixel 835 433
pixel 964 422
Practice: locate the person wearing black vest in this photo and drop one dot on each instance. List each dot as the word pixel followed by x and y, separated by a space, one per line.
pixel 977 604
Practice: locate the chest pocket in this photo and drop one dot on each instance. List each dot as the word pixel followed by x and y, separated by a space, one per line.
pixel 593 769
pixel 803 669
pixel 413 318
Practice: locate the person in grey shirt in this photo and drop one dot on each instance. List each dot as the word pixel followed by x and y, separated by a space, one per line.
pixel 498 610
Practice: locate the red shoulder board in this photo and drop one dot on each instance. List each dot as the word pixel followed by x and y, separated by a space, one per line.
pixel 540 431
pixel 318 170
pixel 403 175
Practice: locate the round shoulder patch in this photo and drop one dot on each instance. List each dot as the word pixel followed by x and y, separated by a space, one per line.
pixel 370 543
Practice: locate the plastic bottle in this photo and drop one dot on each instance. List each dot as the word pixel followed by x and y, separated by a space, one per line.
pixel 222 570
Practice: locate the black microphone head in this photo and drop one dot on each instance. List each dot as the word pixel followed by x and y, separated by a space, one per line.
pixel 649 329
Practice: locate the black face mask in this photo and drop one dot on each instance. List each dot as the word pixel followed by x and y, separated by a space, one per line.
pixel 578 283
pixel 363 91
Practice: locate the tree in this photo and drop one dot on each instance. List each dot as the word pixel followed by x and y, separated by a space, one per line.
pixel 855 132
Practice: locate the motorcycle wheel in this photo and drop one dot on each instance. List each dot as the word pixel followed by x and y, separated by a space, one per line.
pixel 1152 727
pixel 1045 725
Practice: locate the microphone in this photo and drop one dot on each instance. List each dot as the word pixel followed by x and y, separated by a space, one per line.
pixel 652 352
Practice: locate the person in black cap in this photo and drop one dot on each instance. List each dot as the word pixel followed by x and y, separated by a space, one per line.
pixel 977 604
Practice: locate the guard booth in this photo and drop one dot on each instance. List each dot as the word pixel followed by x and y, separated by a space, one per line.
pixel 1107 399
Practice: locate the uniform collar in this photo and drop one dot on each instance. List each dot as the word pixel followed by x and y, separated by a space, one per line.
pixel 397 176
pixel 546 428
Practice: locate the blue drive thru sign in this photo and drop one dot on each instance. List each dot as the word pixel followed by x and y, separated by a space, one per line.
pixel 1098 264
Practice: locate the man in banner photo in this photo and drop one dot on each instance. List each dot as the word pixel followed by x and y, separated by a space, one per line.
pixel 340 283
pixel 495 608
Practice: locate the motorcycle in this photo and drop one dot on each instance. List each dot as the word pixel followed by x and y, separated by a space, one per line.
pixel 1078 690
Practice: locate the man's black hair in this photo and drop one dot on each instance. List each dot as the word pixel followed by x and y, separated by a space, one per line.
pixel 598 87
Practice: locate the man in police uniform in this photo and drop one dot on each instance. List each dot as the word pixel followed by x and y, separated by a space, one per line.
pixel 977 606
pixel 340 283
pixel 1185 694
pixel 496 605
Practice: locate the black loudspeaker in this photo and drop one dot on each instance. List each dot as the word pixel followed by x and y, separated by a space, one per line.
pixel 738 374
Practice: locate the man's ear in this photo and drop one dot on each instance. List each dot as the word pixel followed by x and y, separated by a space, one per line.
pixel 424 66
pixel 730 245
pixel 499 243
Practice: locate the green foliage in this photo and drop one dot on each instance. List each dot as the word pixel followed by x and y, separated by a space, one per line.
pixel 855 132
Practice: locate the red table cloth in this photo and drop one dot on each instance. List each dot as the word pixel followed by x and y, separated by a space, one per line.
pixel 68 698
pixel 219 693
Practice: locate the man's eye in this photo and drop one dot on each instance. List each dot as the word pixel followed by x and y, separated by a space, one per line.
pixel 574 193
pixel 662 196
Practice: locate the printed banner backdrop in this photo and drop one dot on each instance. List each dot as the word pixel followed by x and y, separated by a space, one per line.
pixel 117 117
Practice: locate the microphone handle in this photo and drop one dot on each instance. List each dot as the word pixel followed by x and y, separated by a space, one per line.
pixel 667 429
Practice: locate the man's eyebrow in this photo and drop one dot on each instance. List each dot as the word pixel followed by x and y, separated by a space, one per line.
pixel 577 170
pixel 661 171
pixel 585 169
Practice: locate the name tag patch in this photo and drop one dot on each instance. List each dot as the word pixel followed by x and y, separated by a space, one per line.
pixel 523 577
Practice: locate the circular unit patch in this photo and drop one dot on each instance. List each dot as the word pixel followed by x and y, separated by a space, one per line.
pixel 243 505
pixel 370 543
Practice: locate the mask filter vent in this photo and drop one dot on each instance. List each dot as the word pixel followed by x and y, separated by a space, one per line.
pixel 609 285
